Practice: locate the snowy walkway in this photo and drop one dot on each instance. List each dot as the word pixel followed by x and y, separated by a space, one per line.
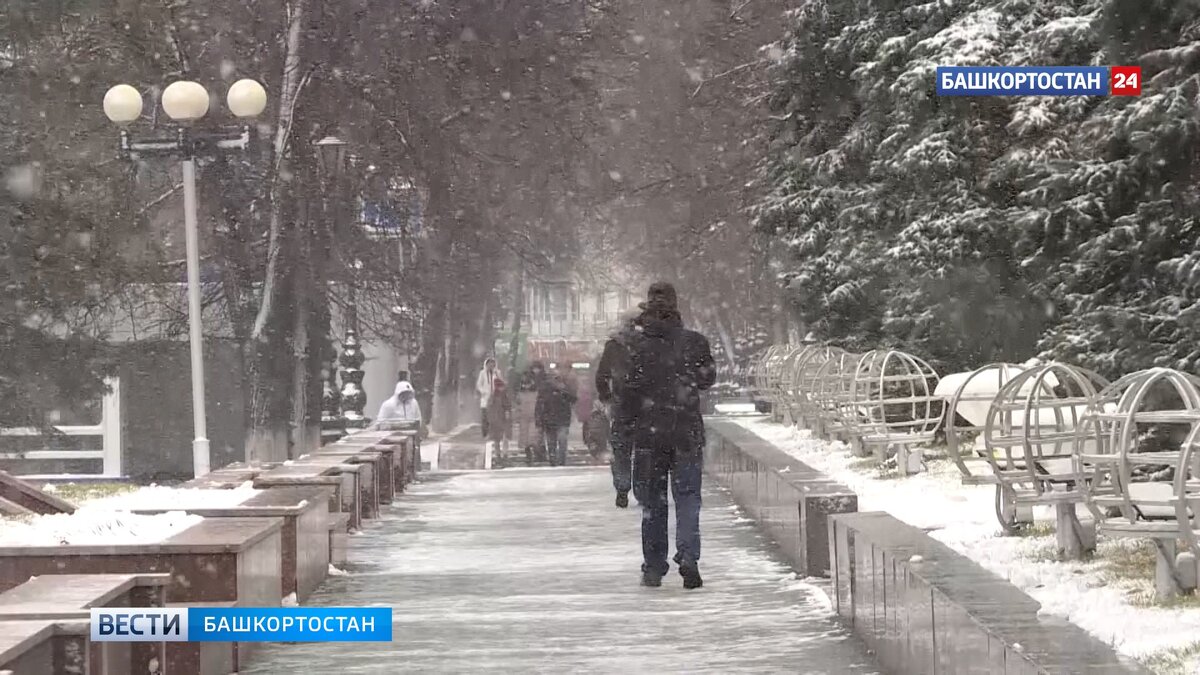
pixel 535 571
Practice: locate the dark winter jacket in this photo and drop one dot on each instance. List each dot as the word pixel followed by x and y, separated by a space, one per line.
pixel 612 371
pixel 667 368
pixel 554 403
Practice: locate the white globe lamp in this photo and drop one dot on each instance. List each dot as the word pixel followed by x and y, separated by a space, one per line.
pixel 185 101
pixel 246 98
pixel 123 104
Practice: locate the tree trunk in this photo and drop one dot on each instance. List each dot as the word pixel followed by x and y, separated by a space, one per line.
pixel 270 367
pixel 726 337
pixel 426 366
pixel 270 415
pixel 301 354
pixel 514 345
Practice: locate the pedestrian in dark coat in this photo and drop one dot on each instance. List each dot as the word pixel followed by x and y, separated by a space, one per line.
pixel 610 378
pixel 667 368
pixel 553 414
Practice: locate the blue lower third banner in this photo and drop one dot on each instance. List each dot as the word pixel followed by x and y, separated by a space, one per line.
pixel 241 624
pixel 1023 81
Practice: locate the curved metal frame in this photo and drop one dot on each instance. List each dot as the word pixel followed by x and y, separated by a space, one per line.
pixel 803 370
pixel 953 442
pixel 832 386
pixel 1111 425
pixel 870 399
pixel 1029 394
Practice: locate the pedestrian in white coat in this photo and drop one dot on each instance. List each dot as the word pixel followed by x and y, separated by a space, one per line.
pixel 402 407
pixel 484 385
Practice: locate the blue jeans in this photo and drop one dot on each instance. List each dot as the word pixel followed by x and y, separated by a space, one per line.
pixel 683 467
pixel 622 457
pixel 556 445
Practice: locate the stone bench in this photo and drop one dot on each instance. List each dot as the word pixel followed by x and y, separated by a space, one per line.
pixel 406 457
pixel 379 484
pixel 408 440
pixel 220 559
pixel 205 658
pixel 21 493
pixel 387 460
pixel 363 501
pixel 391 465
pixel 46 596
pixel 339 540
pixel 304 536
pixel 345 496
pixel 789 499
pixel 44 646
pixel 70 597
pixel 925 608
pixel 230 476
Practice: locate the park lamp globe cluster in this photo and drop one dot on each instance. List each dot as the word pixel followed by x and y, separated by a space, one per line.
pixel 186 102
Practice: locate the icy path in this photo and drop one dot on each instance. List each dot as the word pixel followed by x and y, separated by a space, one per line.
pixel 535 571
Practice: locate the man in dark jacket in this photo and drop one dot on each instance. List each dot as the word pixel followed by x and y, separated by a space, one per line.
pixel 666 369
pixel 555 403
pixel 610 377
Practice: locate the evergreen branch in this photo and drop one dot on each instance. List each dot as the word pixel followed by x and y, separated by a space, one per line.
pixel 731 71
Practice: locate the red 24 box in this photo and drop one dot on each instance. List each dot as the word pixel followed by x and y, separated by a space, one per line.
pixel 1125 81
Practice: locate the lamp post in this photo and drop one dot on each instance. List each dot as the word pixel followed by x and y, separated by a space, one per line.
pixel 187 102
pixel 332 157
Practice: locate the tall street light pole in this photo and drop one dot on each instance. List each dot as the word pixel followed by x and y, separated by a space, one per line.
pixel 187 102
pixel 332 156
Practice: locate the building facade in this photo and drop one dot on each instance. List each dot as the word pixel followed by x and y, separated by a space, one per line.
pixel 569 318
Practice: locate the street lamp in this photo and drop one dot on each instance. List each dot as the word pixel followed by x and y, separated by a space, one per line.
pixel 333 158
pixel 186 102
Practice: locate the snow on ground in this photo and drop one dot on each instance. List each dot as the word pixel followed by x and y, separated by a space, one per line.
pixel 89 527
pixel 159 497
pixel 963 517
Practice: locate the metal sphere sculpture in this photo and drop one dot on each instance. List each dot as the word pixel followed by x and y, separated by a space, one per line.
pixel 764 373
pixel 1140 467
pixel 969 397
pixel 1143 435
pixel 805 384
pixel 831 386
pixel 789 395
pixel 758 372
pixel 1029 437
pixel 892 402
pixel 775 379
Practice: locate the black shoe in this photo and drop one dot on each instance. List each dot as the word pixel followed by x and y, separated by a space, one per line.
pixel 690 572
pixel 622 500
pixel 651 579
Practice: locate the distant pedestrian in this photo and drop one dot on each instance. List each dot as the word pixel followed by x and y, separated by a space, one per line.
pixel 596 430
pixel 483 386
pixel 499 415
pixel 667 368
pixel 553 413
pixel 401 407
pixel 610 379
pixel 529 435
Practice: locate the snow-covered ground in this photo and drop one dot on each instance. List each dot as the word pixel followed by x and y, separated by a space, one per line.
pixel 1091 594
pixel 105 519
pixel 92 527
pixel 158 497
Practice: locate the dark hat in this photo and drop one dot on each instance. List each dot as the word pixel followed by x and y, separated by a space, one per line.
pixel 661 296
